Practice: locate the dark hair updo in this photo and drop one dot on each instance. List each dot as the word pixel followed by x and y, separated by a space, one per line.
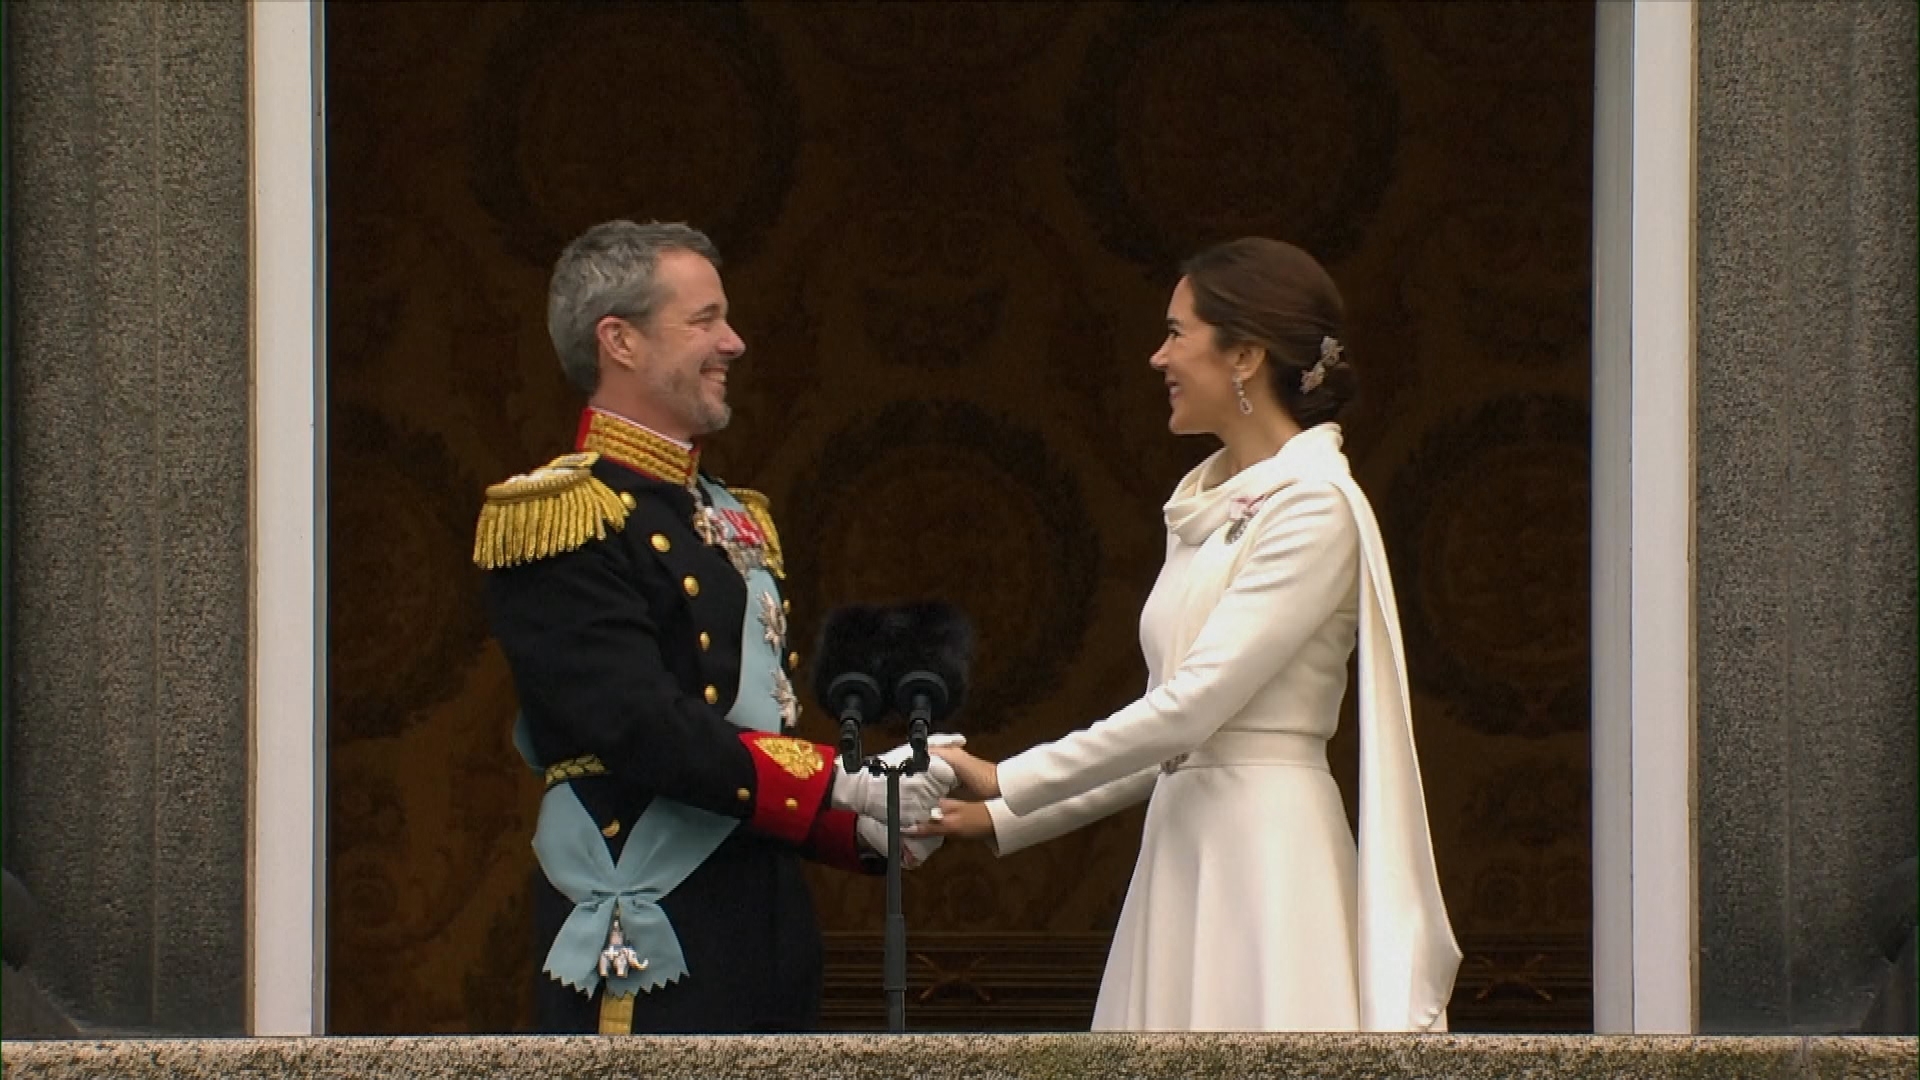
pixel 1255 291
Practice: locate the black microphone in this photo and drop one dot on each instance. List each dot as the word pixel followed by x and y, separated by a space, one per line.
pixel 845 677
pixel 929 649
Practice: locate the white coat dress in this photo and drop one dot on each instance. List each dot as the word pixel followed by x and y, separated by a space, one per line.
pixel 1250 907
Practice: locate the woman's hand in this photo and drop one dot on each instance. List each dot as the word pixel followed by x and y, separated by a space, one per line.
pixel 979 779
pixel 967 820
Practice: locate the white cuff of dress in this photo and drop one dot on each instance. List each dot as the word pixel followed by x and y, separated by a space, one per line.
pixel 1006 838
pixel 1018 783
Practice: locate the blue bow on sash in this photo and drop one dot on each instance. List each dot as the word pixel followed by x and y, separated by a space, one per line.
pixel 668 843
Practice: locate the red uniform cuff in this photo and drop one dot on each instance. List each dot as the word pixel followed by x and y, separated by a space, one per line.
pixel 791 777
pixel 835 842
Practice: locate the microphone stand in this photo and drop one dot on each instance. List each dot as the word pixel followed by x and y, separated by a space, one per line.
pixel 918 690
pixel 894 971
pixel 858 697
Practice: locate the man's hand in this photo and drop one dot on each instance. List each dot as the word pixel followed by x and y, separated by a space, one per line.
pixel 913 850
pixel 865 793
pixel 922 792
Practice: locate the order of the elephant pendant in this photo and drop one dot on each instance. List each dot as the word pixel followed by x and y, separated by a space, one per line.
pixel 618 957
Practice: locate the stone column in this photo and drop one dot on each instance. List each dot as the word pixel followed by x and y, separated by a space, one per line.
pixel 1806 399
pixel 128 576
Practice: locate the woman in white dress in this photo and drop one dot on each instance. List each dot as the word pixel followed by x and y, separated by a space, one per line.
pixel 1250 907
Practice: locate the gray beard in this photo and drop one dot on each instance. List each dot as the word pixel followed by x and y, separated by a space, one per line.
pixel 686 397
pixel 713 420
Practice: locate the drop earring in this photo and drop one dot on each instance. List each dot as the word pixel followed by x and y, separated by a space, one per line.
pixel 1240 391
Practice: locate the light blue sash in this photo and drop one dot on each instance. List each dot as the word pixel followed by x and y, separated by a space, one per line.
pixel 667 843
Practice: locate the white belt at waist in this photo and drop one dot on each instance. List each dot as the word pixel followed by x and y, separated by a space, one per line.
pixel 1232 748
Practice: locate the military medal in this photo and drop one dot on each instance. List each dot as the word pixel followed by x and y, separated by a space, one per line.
pixel 704 527
pixel 742 540
pixel 733 532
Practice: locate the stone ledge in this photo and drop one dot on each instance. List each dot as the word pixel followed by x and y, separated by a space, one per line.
pixel 976 1057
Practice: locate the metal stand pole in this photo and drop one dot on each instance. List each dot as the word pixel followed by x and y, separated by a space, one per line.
pixel 896 943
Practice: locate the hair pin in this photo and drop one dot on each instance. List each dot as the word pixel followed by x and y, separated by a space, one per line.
pixel 1311 379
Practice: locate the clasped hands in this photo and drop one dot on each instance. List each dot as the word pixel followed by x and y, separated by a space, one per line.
pixel 976 779
pixel 921 795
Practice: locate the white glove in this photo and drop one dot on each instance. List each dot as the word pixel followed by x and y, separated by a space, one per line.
pixel 866 794
pixel 913 851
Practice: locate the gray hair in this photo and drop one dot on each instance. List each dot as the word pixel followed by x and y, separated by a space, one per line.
pixel 608 270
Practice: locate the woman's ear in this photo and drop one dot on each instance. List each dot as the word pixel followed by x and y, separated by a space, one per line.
pixel 1246 361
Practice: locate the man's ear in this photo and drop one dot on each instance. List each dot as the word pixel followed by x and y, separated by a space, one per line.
pixel 620 342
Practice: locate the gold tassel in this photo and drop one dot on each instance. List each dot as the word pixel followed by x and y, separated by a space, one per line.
pixel 545 513
pixel 759 509
pixel 616 1013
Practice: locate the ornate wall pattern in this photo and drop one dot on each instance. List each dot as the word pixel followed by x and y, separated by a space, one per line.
pixel 950 231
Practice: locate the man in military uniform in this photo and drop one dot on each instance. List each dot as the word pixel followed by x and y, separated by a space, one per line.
pixel 637 602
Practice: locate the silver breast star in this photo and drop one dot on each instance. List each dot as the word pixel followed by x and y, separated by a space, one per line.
pixel 773 619
pixel 784 697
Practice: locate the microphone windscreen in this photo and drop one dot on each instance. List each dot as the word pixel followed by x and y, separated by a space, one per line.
pixel 935 637
pixel 853 639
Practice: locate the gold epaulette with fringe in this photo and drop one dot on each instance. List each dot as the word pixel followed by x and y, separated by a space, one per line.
pixel 550 510
pixel 762 514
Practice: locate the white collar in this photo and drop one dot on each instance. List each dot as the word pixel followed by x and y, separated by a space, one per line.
pixel 1204 500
